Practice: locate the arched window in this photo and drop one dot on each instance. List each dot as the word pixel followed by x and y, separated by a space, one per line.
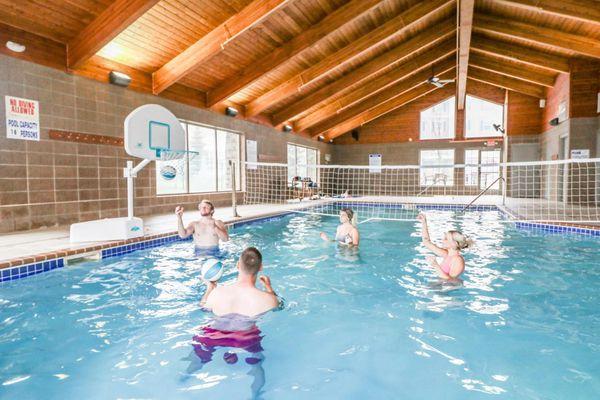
pixel 481 116
pixel 437 122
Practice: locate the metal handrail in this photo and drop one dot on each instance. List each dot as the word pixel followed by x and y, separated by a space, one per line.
pixel 482 192
pixel 436 178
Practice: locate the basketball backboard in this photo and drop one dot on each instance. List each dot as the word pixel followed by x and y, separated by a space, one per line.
pixel 150 129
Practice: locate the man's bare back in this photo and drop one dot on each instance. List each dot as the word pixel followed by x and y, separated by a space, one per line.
pixel 242 297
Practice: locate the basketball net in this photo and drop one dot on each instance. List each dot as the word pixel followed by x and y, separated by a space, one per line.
pixel 177 159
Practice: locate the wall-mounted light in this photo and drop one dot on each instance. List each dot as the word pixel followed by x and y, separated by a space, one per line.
pixel 287 128
pixel 498 128
pixel 330 140
pixel 554 121
pixel 321 138
pixel 230 111
pixel 16 47
pixel 119 78
pixel 542 103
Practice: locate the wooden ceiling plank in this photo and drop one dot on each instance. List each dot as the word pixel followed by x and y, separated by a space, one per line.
pixel 332 22
pixel 580 10
pixel 496 65
pixel 382 33
pixel 505 82
pixel 213 42
pixel 521 54
pixel 104 28
pixel 383 82
pixel 465 20
pixel 391 57
pixel 538 34
pixel 360 109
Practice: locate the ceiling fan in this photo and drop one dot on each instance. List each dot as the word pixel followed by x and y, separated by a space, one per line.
pixel 436 81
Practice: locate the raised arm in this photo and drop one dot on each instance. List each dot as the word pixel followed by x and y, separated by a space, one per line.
pixel 181 230
pixel 210 286
pixel 426 239
pixel 221 230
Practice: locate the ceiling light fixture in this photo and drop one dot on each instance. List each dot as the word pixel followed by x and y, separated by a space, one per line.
pixel 16 47
pixel 231 112
pixel 287 128
pixel 119 78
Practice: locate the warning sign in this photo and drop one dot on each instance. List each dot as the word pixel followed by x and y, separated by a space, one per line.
pixel 22 118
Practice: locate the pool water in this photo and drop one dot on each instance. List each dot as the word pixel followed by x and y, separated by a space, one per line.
pixel 370 324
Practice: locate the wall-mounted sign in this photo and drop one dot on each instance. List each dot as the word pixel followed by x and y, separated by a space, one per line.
pixel 22 118
pixel 562 111
pixel 251 153
pixel 375 163
pixel 580 154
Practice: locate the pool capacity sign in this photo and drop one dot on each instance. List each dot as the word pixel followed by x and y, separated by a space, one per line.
pixel 22 118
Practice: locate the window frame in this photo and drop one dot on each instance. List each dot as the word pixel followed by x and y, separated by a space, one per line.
pixel 504 110
pixel 241 159
pixel 296 145
pixel 421 184
pixel 453 121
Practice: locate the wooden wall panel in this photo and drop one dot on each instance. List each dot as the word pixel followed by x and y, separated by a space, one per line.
pixel 524 114
pixel 584 88
pixel 555 95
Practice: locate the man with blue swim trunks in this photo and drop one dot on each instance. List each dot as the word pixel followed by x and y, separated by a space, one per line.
pixel 207 230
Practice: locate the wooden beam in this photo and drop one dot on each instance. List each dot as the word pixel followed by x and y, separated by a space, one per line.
pixel 521 54
pixel 516 85
pixel 497 65
pixel 465 25
pixel 580 10
pixel 538 34
pixel 357 111
pixel 382 82
pixel 389 58
pixel 213 42
pixel 108 25
pixel 395 26
pixel 386 107
pixel 340 17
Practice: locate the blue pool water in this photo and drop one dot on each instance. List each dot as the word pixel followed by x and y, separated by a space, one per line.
pixel 373 324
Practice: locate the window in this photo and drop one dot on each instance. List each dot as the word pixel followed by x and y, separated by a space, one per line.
pixel 437 122
pixel 481 115
pixel 301 161
pixel 209 170
pixel 481 175
pixel 440 176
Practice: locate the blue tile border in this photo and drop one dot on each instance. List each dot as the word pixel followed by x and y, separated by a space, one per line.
pixel 22 271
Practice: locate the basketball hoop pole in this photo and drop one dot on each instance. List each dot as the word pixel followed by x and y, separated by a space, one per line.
pixel 130 172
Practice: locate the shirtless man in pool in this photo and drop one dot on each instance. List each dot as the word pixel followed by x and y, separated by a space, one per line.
pixel 207 231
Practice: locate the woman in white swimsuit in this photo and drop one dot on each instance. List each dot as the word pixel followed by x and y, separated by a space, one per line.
pixel 346 232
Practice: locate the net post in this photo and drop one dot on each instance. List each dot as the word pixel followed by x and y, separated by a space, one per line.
pixel 233 185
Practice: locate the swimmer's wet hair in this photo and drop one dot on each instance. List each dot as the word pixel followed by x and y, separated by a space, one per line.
pixel 251 260
pixel 462 241
pixel 212 207
pixel 351 215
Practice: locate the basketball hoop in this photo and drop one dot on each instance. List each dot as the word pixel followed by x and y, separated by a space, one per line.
pixel 174 158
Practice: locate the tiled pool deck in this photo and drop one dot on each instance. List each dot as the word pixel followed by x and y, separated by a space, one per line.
pixel 32 252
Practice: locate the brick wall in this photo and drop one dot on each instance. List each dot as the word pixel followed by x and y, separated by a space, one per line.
pixel 53 182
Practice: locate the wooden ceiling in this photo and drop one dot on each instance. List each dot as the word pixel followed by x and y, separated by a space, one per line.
pixel 323 66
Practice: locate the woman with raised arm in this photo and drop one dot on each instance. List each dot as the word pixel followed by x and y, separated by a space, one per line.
pixel 453 264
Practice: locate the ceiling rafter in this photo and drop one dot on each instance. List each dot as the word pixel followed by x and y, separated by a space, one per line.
pixel 538 34
pixel 382 82
pixel 466 9
pixel 397 54
pixel 213 42
pixel 332 22
pixel 505 82
pixel 498 65
pixel 373 38
pixel 104 28
pixel 580 10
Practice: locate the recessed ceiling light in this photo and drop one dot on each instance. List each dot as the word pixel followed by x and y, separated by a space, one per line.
pixel 16 47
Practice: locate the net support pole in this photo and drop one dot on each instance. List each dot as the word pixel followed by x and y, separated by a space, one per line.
pixel 233 186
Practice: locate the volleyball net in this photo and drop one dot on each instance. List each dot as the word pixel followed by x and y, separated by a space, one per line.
pixel 566 191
